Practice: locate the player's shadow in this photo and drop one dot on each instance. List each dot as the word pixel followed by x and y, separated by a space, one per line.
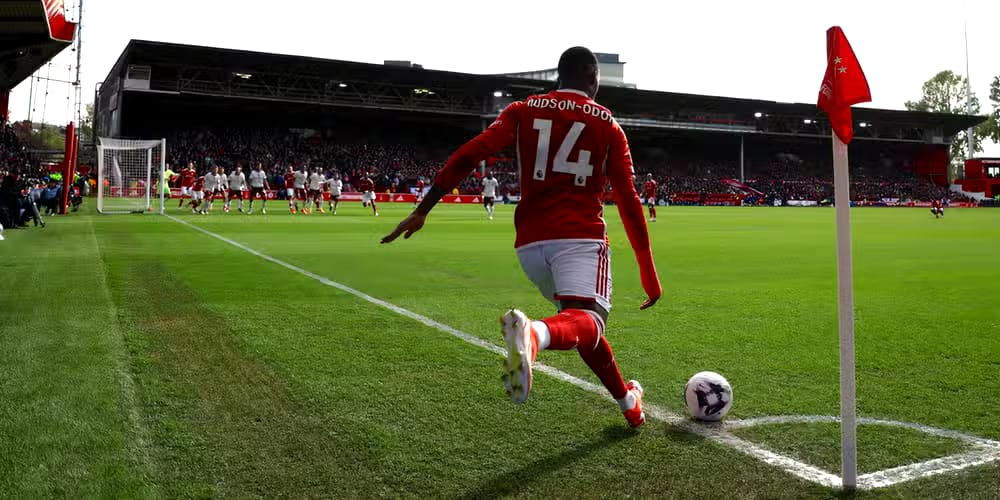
pixel 511 482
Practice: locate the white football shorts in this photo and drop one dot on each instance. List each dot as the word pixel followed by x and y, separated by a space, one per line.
pixel 197 195
pixel 569 270
pixel 368 197
pixel 185 191
pixel 290 193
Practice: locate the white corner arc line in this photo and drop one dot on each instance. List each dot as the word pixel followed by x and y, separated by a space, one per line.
pixel 984 451
pixel 717 433
pixel 943 465
pixel 818 419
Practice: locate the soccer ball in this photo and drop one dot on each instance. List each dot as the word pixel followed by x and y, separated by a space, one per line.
pixel 708 396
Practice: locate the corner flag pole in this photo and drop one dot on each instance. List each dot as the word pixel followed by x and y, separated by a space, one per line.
pixel 845 317
pixel 844 85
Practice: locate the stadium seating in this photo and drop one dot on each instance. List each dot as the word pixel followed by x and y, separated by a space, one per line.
pixel 14 159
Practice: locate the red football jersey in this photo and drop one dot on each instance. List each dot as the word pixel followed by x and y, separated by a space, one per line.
pixel 649 188
pixel 568 147
pixel 187 177
pixel 289 180
pixel 420 185
pixel 199 183
pixel 936 204
pixel 366 184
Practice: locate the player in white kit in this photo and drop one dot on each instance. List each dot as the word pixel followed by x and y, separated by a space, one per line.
pixel 490 187
pixel 334 185
pixel 215 187
pixel 301 177
pixel 237 183
pixel 258 187
pixel 316 182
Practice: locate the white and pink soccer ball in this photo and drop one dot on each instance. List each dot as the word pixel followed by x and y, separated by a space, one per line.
pixel 708 396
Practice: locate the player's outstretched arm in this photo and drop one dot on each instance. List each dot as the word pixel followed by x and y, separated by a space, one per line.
pixel 630 209
pixel 413 222
pixel 498 136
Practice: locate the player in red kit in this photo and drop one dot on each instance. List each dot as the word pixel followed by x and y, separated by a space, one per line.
pixel 367 187
pixel 420 191
pixel 568 148
pixel 649 189
pixel 937 209
pixel 198 194
pixel 289 178
pixel 187 180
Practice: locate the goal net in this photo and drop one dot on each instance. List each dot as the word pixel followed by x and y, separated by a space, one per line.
pixel 130 176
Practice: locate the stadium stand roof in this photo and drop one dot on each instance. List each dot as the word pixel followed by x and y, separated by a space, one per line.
pixel 31 33
pixel 177 69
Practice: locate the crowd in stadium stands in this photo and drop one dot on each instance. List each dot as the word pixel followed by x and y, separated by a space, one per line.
pixel 22 189
pixel 781 181
pixel 14 159
pixel 396 167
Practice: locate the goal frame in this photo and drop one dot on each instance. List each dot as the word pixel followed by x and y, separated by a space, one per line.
pixel 148 196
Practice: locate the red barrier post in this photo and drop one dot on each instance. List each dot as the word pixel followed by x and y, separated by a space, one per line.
pixel 69 165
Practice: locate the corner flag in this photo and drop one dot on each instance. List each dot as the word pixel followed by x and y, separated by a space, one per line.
pixel 843 85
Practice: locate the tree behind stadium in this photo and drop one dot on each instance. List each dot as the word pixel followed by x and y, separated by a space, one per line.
pixel 946 93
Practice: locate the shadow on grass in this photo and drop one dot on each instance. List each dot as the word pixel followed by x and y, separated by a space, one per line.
pixel 512 482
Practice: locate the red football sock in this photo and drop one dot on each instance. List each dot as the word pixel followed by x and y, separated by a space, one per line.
pixel 374 210
pixel 570 328
pixel 652 212
pixel 576 328
pixel 601 361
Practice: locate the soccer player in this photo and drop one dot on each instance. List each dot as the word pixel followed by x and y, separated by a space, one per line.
pixel 237 183
pixel 258 187
pixel 335 186
pixel 198 194
pixel 187 180
pixel 301 176
pixel 490 185
pixel 215 181
pixel 169 176
pixel 420 191
pixel 649 189
pixel 570 146
pixel 367 187
pixel 937 209
pixel 290 188
pixel 316 181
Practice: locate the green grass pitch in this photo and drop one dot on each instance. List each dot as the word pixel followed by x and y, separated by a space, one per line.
pixel 140 358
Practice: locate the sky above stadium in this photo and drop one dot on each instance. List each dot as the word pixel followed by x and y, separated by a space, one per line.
pixel 772 50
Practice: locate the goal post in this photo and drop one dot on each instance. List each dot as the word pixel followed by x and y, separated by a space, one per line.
pixel 130 175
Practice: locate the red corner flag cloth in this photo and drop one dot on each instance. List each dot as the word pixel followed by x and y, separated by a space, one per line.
pixel 843 85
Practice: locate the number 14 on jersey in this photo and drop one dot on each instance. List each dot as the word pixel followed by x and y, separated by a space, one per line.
pixel 581 169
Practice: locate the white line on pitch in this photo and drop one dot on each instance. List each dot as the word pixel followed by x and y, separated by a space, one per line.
pixel 713 432
pixel 984 450
pixel 951 463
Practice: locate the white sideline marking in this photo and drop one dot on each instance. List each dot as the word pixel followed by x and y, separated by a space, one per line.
pixel 988 450
pixel 818 419
pixel 984 450
pixel 943 465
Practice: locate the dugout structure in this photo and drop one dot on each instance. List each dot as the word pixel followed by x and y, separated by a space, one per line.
pixel 156 86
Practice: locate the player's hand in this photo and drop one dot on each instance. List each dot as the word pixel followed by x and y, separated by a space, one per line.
pixel 411 224
pixel 649 303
